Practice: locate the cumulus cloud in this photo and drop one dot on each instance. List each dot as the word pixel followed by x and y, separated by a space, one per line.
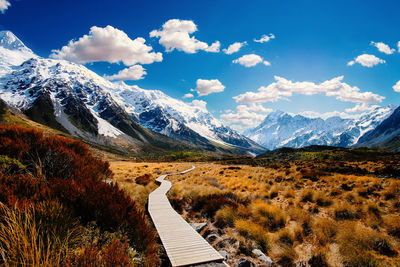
pixel 176 34
pixel 206 87
pixel 233 48
pixel 396 87
pixel 214 48
pixel 134 73
pixel 4 5
pixel 366 60
pixel 251 60
pixel 266 63
pixel 199 104
pixel 188 95
pixel 283 88
pixel 398 46
pixel 384 48
pixel 325 115
pixel 361 107
pixel 265 38
pixel 245 116
pixel 108 44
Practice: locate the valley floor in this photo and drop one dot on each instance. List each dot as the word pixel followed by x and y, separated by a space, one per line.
pixel 293 212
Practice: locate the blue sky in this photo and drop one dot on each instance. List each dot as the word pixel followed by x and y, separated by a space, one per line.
pixel 315 42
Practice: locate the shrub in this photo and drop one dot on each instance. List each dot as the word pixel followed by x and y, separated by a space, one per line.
pixel 322 200
pixel 307 195
pixel 271 216
pixel 373 209
pixel 284 255
pixel 22 189
pixel 51 157
pixel 10 165
pixel 392 224
pixel 225 217
pixel 64 181
pixel 115 254
pixel 109 207
pixel 286 237
pixel 325 230
pixel 254 231
pixel 209 204
pixel 144 179
pixel 362 246
pixel 344 211
pixel 392 191
pixel 26 240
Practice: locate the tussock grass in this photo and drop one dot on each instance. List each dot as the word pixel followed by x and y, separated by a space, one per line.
pixel 254 231
pixel 27 238
pixel 295 212
pixel 362 246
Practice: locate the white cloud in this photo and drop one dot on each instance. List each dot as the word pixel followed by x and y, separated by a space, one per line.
pixel 214 48
pixel 199 104
pixel 361 107
pixel 396 87
pixel 245 116
pixel 108 44
pixel 283 88
pixel 175 34
pixel 265 38
pixel 398 46
pixel 325 115
pixel 384 48
pixel 206 87
pixel 188 95
pixel 233 48
pixel 134 73
pixel 4 5
pixel 251 60
pixel 266 63
pixel 366 60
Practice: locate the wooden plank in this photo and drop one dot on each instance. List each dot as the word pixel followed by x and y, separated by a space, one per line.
pixel 184 246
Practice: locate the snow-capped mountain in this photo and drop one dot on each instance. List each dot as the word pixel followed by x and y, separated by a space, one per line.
pixel 13 52
pixel 280 129
pixel 184 121
pixel 385 135
pixel 70 97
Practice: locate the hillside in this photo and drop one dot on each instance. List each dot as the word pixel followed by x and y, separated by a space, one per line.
pixel 71 98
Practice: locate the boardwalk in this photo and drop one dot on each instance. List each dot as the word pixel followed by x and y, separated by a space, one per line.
pixel 184 246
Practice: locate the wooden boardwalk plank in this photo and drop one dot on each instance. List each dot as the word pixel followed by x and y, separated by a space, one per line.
pixel 184 246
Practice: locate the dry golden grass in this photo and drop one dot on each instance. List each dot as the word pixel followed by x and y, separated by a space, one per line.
pixel 24 243
pixel 292 212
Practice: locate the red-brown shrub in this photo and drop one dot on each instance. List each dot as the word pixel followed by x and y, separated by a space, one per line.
pixel 209 204
pixel 51 157
pixel 64 170
pixel 109 207
pixel 115 254
pixel 22 189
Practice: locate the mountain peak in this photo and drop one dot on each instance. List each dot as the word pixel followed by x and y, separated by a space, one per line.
pixel 9 41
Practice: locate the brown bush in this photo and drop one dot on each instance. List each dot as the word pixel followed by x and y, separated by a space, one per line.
pixel 144 179
pixel 51 157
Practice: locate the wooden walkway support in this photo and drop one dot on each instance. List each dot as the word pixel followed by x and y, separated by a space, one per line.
pixel 184 246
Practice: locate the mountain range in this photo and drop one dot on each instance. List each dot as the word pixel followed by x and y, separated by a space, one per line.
pixel 280 129
pixel 73 99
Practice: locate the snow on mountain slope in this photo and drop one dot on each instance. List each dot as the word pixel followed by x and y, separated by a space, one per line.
pixel 12 52
pixel 281 129
pixel 88 105
pixel 386 134
pixel 170 116
pixel 62 81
